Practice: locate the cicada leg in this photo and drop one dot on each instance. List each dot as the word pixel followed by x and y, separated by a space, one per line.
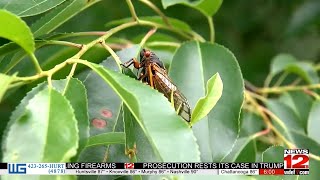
pixel 172 99
pixel 150 77
pixel 131 152
pixel 179 108
pixel 133 61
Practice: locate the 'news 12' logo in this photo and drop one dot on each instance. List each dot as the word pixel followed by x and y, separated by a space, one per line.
pixel 14 168
pixel 296 159
pixel 129 165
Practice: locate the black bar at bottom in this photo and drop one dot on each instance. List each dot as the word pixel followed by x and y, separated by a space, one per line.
pixel 3 165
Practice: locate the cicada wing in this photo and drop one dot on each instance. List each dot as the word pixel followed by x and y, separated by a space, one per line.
pixel 163 84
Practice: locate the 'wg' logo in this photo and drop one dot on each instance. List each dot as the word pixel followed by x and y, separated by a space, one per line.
pixel 17 168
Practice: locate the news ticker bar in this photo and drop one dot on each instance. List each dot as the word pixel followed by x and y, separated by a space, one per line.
pixel 148 169
pixel 94 165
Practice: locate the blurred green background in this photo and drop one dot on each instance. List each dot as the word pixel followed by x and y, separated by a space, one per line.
pixel 255 31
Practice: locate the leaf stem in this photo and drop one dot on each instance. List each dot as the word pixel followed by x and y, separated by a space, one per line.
pixel 147 36
pixel 103 38
pixel 163 43
pixel 263 111
pixel 281 79
pixel 64 43
pixel 158 11
pixel 132 11
pixel 73 69
pixel 36 63
pixel 160 26
pixel 211 27
pixel 279 90
pixel 113 54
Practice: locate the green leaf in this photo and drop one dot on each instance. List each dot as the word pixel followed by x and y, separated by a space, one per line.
pixel 286 115
pixel 5 81
pixel 29 7
pixel 106 139
pixel 313 122
pixel 195 63
pixel 59 15
pixel 205 104
pixel 273 154
pixel 49 127
pixel 8 48
pixel 76 94
pixel 16 30
pixel 314 166
pixel 288 63
pixel 135 136
pixel 176 23
pixel 251 123
pixel 244 150
pixel 105 110
pixel 303 141
pixel 158 126
pixel 206 7
pixel 299 102
pixel 280 62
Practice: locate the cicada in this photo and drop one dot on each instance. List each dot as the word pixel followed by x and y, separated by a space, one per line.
pixel 154 74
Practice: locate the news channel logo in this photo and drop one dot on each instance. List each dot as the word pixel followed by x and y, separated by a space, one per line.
pixel 15 168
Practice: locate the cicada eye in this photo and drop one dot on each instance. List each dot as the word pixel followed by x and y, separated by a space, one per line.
pixel 147 53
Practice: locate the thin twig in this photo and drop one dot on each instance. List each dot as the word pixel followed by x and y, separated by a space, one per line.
pixel 281 79
pixel 211 27
pixel 113 54
pixel 132 11
pixel 36 63
pixel 64 43
pixel 147 36
pixel 282 89
pixel 158 11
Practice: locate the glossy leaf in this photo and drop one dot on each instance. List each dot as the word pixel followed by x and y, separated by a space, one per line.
pixel 8 48
pixel 288 63
pixel 314 166
pixel 204 105
pixel 286 115
pixel 273 154
pixel 5 81
pixel 303 141
pixel 195 63
pixel 313 122
pixel 46 135
pixel 244 150
pixel 251 123
pixel 105 109
pixel 158 126
pixel 29 7
pixel 106 139
pixel 299 102
pixel 76 94
pixel 19 110
pixel 59 15
pixel 16 30
pixel 206 7
pixel 280 62
pixel 136 138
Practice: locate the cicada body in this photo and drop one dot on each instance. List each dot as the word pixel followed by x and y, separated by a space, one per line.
pixel 154 74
